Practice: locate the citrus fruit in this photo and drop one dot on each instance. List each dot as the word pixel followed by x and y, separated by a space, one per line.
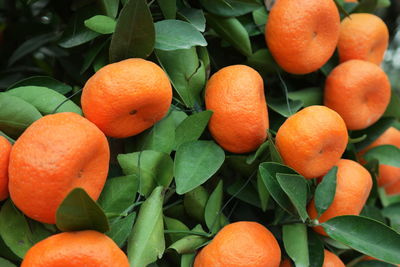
pixel 302 35
pixel 331 260
pixel 127 97
pixel 5 149
pixel 312 140
pixel 54 155
pixel 359 91
pixel 353 185
pixel 363 36
pixel 76 249
pixel 239 122
pixel 241 244
pixel 393 189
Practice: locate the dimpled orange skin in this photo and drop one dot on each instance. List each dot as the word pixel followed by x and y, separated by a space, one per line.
pixel 302 35
pixel 5 149
pixel 353 186
pixel 359 91
pixel 241 244
pixel 239 122
pixel 125 98
pixel 387 174
pixel 312 140
pixel 54 155
pixel 76 249
pixel 363 36
pixel 331 260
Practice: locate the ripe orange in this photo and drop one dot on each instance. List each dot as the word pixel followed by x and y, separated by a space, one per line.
pixel 76 249
pixel 5 149
pixel 312 140
pixel 331 260
pixel 127 97
pixel 54 155
pixel 359 91
pixel 363 36
pixel 244 244
pixel 387 174
pixel 240 120
pixel 393 189
pixel 302 35
pixel 353 186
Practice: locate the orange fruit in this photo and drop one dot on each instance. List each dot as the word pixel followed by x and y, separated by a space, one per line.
pixel 127 97
pixel 302 35
pixel 240 120
pixel 54 155
pixel 363 36
pixel 241 244
pixel 387 174
pixel 359 91
pixel 76 249
pixel 312 140
pixel 331 260
pixel 5 149
pixel 353 186
pixel 393 189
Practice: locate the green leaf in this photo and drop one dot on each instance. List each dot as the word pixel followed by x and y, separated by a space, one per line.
pixel 261 152
pixel 16 115
pixel 296 243
pixel 273 151
pixel 45 99
pixel 373 213
pixel 262 193
pixel 386 154
pixel 195 163
pixel 134 34
pixel 91 55
pixel 393 213
pixel 78 211
pixel 263 62
pixel 30 46
pixel 101 24
pixel 295 187
pixel 190 243
pixel 373 263
pixel 308 96
pixel 119 194
pixel 152 167
pixel 110 7
pixel 43 81
pixel 325 192
pixel 172 224
pixel 242 189
pixel 195 203
pixel 286 109
pixel 187 260
pixel 146 242
pixel 260 17
pixel 372 132
pixel 176 34
pixel 120 230
pixel 213 211
pixel 366 236
pixel 6 263
pixel 393 109
pixel 268 172
pixel 168 8
pixel 383 3
pixel 315 249
pixel 232 31
pixel 195 17
pixel 230 8
pixel 18 233
pixel 366 6
pixel 182 67
pixel 192 127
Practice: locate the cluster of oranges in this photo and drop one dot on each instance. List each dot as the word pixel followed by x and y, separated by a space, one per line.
pixel 63 151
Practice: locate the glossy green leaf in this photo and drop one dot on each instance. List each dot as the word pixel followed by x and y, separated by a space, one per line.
pixel 213 211
pixel 263 193
pixel 78 211
pixel 308 96
pixel 194 16
pixel 173 224
pixel 195 162
pixel 232 31
pixel 386 154
pixel 45 100
pixel 260 17
pixel 121 229
pixel 192 127
pixel 295 241
pixel 101 24
pixel 91 55
pixel 373 213
pixel 187 260
pixel 244 190
pixel 230 8
pixel 189 243
pixel 146 242
pixel 168 8
pixel 263 62
pixel 110 7
pixel 176 34
pixel 392 212
pixel 295 187
pixel 383 3
pixel 284 107
pixel 16 114
pixel 366 236
pixel 273 151
pixel 315 249
pixel 393 109
pixel 134 34
pixel 43 81
pixel 325 192
pixel 366 6
pixel 195 203
pixel 6 263
pixel 261 153
pixel 152 167
pixel 372 132
pixel 373 263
